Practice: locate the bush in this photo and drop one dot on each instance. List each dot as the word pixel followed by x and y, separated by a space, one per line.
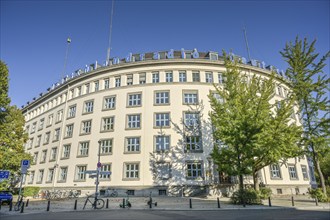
pixel 264 193
pixel 250 196
pixel 318 193
pixel 30 190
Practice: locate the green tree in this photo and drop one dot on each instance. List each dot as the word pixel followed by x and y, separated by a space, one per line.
pixel 12 135
pixel 310 85
pixel 251 132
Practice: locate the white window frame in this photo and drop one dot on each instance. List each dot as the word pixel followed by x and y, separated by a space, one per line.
pixel 72 111
pixel 66 151
pixel 134 99
pixel 194 78
pixel 83 149
pixel 275 171
pixel 106 146
pixel 105 167
pixel 132 144
pixel 182 76
pixel 190 97
pixel 169 77
pixel 193 143
pixel 162 98
pixel 109 102
pixel 194 169
pixel 80 172
pixel 53 154
pixel 57 134
pixel 69 131
pixel 162 119
pixel 209 77
pixel 134 121
pixel 292 172
pixel 86 127
pixel 162 143
pixel 88 106
pixel 155 77
pixel 131 170
pixel 63 174
pixel 108 123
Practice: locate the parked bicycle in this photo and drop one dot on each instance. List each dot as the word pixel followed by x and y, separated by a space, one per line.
pixel 149 202
pixel 110 193
pixel 126 203
pixel 72 194
pixel 19 203
pixel 98 204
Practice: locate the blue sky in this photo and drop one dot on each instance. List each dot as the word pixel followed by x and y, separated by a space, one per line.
pixel 33 33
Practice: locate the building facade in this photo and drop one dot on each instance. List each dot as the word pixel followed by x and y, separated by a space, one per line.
pixel 148 116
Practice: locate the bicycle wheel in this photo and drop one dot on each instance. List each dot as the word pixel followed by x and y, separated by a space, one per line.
pixel 99 203
pixel 17 206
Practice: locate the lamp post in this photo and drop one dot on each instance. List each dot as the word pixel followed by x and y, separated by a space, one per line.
pixel 97 175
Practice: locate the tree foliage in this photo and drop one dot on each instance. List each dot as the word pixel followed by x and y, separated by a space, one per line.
pixel 4 99
pixel 310 85
pixel 251 132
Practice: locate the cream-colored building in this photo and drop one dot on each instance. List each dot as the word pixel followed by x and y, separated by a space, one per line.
pixel 148 115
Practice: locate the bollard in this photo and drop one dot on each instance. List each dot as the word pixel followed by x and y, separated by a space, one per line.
pixel 107 205
pixel 22 207
pixel 0 204
pixel 123 203
pixel 218 200
pixel 316 201
pixel 292 200
pixel 190 204
pixel 27 203
pixel 48 205
pixel 150 204
pixel 244 203
pixel 75 205
pixel 11 206
pixel 269 202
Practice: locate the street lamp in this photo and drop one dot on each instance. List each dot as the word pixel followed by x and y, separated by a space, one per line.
pixel 97 174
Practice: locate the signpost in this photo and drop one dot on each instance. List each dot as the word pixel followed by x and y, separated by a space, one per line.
pixel 25 165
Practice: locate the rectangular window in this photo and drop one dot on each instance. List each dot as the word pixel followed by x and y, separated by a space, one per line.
pixel 40 176
pixel 196 77
pixel 56 134
pixel 106 83
pixel 83 148
pixel 43 156
pixel 87 88
pixel 162 143
pixel 33 128
pixel 38 141
pixel 191 119
pixel 88 106
pixel 155 77
pixel 134 121
pixel 59 116
pixel 292 172
pixel 108 124
pixel 96 86
pixel 69 131
pixel 66 151
pixel 35 158
pixel 80 173
pixel 163 171
pixel 162 98
pixel 190 98
pixel 142 78
pixel 50 176
pixel 218 97
pixel 131 170
pixel 72 111
pixel 117 81
pixel 63 174
pixel 106 146
pixel 109 102
pixel 41 124
pixel 105 168
pixel 304 172
pixel 47 138
pixel 134 99
pixel 169 76
pixel 50 120
pixel 79 91
pixel 162 120
pixel 194 169
pixel 129 80
pixel 132 144
pixel 209 77
pixel 86 127
pixel 182 76
pixel 30 143
pixel 275 172
pixel 31 177
pixel 193 143
pixel 279 90
pixel 53 154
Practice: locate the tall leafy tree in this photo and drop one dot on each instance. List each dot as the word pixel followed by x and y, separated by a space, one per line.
pixel 12 135
pixel 310 85
pixel 250 130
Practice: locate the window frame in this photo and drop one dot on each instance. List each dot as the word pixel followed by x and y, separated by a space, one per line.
pixel 134 100
pixel 135 171
pixel 162 98
pixel 162 120
pixel 135 145
pixel 139 122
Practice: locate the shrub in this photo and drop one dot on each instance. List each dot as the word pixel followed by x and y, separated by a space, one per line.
pixel 30 190
pixel 318 193
pixel 250 196
pixel 264 193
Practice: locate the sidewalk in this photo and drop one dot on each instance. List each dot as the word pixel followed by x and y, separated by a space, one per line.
pixel 166 203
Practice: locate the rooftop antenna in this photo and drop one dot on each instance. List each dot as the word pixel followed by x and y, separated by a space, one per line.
pixel 110 34
pixel 68 41
pixel 246 42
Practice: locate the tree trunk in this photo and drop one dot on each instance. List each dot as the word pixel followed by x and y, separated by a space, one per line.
pixel 319 172
pixel 241 182
pixel 255 180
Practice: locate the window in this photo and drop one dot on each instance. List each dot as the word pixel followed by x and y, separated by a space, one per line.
pixel 108 124
pixel 96 86
pixel 40 176
pixel 66 151
pixel 106 83
pixel 190 98
pixel 221 78
pixel 193 169
pixel 129 80
pixel 275 172
pixel 63 174
pixel 279 191
pixel 33 128
pixel 304 172
pixel 106 146
pixel 134 121
pixel 182 76
pixel 41 124
pixel 209 77
pixel 79 91
pixel 30 143
pixel 87 88
pixel 83 149
pixel 43 156
pixel 72 111
pixel 163 170
pixel 142 78
pixel 109 102
pixel 162 120
pixel 53 154
pixel 27 129
pixel 117 81
pixel 80 173
pixel 38 141
pixel 59 116
pixel 218 97
pixel 47 138
pixel 50 175
pixel 162 98
pixel 69 130
pixel 196 77
pixel 35 158
pixel 31 177
pixel 292 172
pixel 57 134
pixel 193 143
pixel 88 106
pixel 105 168
pixel 162 192
pixel 132 144
pixel 162 143
pixel 86 127
pixel 191 119
pixel 279 90
pixel 285 92
pixel 131 170
pixel 50 120
pixel 134 99
pixel 169 76
pixel 155 77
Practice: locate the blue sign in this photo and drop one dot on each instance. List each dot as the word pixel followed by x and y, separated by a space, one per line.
pixel 4 174
pixel 26 163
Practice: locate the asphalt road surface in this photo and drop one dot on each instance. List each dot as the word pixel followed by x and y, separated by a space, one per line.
pixel 175 215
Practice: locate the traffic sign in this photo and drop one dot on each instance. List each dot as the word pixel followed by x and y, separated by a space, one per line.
pixel 99 164
pixel 90 171
pixel 105 173
pixel 4 174
pixel 25 165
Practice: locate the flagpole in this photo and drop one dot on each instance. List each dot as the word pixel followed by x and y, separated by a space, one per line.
pixel 66 57
pixel 110 34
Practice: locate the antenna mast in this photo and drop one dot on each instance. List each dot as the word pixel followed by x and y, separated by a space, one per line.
pixel 110 34
pixel 247 45
pixel 66 56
